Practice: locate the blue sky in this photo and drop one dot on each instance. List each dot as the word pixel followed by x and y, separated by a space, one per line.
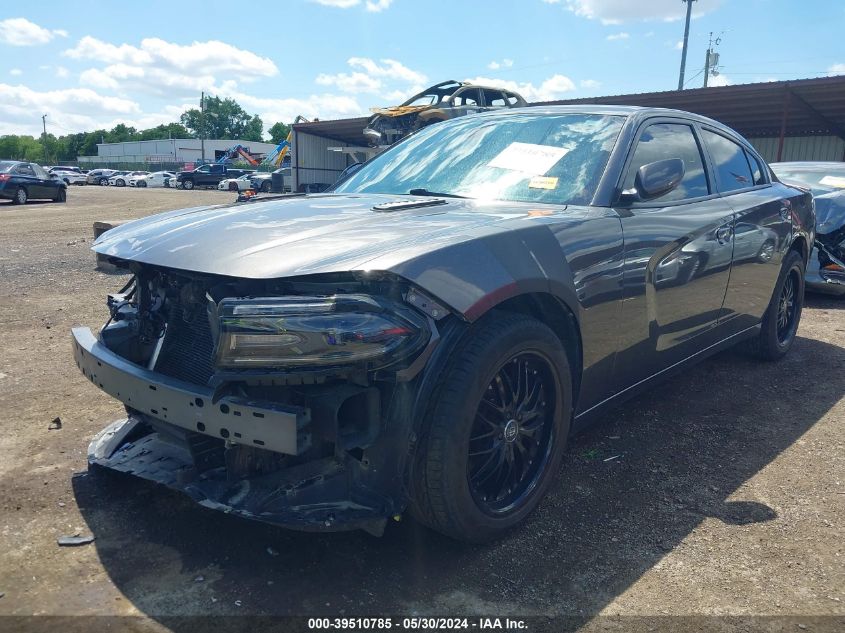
pixel 94 64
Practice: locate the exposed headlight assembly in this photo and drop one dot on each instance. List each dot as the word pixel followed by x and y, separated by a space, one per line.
pixel 316 332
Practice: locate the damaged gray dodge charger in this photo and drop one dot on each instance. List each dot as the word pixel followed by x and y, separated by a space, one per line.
pixel 427 336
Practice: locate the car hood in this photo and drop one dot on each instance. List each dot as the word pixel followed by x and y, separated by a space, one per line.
pixel 300 235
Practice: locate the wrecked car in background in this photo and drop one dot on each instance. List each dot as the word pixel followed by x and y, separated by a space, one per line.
pixel 826 269
pixel 427 336
pixel 446 100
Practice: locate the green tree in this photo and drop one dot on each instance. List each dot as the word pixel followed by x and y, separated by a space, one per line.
pixel 278 132
pixel 223 119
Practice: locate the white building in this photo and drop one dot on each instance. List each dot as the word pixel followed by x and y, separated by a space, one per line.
pixel 174 150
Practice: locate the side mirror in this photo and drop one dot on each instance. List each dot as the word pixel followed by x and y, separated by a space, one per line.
pixel 658 178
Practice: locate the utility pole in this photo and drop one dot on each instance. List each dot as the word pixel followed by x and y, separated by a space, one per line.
pixel 712 59
pixel 44 142
pixel 202 126
pixel 686 39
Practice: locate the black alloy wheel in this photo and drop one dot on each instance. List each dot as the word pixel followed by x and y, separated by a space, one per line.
pixel 780 321
pixel 787 324
pixel 493 436
pixel 512 433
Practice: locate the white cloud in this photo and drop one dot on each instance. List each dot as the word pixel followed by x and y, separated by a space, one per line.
pixel 552 88
pixel 17 72
pixel 617 36
pixel 350 82
pixel 375 77
pixel 590 84
pixel 62 72
pixel 718 80
pixel 374 6
pixel 389 69
pixel 340 4
pixel 619 11
pixel 154 51
pixel 22 32
pixel 679 45
pixel 73 109
pixel 836 69
pixel 324 106
pixel 505 63
pixel 164 68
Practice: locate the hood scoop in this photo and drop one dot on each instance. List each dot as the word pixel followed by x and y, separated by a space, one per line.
pixel 401 205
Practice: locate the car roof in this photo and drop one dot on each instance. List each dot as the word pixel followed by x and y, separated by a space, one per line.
pixel 810 165
pixel 631 112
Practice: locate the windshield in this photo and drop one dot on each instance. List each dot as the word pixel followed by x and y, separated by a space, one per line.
pixel 820 181
pixel 547 158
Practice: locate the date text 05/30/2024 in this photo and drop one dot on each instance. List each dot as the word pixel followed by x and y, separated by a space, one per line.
pixel 416 623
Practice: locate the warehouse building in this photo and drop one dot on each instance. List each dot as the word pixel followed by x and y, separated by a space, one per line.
pixel 785 120
pixel 169 151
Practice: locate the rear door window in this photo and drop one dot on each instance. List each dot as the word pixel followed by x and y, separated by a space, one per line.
pixel 730 162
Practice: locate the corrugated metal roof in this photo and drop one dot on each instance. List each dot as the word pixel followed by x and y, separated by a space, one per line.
pixel 345 130
pixel 813 106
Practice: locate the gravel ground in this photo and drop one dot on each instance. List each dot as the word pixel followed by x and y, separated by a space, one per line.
pixel 721 493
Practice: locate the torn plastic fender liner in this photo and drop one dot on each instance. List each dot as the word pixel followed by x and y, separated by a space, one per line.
pixel 310 497
pixel 271 426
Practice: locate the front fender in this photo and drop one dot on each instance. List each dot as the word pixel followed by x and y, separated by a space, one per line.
pixel 474 277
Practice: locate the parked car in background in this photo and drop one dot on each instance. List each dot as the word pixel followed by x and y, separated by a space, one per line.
pixel 69 177
pixel 73 168
pixel 440 102
pixel 826 270
pixel 20 182
pixel 99 176
pixel 236 184
pixel 208 176
pixel 155 179
pixel 427 338
pixel 262 181
pixel 121 178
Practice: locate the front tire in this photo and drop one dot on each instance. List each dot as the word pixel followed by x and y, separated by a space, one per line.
pixel 119 182
pixel 265 187
pixel 492 441
pixel 141 183
pixel 781 319
pixel 188 184
pixel 104 182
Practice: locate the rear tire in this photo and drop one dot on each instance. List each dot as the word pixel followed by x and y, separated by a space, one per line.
pixel 20 196
pixel 265 187
pixel 781 319
pixel 492 441
pixel 61 195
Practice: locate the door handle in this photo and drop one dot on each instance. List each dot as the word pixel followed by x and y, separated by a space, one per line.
pixel 723 234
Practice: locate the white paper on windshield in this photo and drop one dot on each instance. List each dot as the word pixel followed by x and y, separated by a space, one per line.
pixel 833 181
pixel 528 158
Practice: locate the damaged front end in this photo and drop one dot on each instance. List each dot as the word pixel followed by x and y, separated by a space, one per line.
pixel 281 401
pixel 826 268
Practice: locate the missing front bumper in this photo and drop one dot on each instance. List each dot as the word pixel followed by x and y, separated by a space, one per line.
pixel 271 426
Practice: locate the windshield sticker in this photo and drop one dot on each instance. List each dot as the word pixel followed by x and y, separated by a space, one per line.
pixel 542 182
pixel 528 158
pixel 833 181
